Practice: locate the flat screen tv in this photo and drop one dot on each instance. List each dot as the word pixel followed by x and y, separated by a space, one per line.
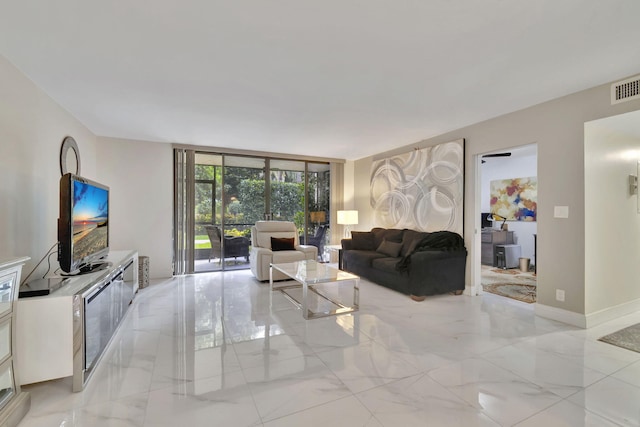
pixel 83 225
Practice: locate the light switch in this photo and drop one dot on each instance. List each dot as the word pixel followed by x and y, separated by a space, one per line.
pixel 561 211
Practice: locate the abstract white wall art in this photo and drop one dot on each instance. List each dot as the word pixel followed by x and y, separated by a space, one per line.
pixel 421 190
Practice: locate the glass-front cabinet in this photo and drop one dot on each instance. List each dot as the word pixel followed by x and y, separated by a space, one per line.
pixel 7 285
pixel 14 404
pixel 5 339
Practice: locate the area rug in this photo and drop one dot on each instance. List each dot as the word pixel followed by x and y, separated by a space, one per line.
pixel 510 283
pixel 628 338
pixel 517 291
pixel 510 271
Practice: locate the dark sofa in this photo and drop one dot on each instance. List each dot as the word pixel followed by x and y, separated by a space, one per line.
pixel 412 262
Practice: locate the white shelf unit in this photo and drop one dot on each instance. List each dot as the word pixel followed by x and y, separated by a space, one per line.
pixel 66 332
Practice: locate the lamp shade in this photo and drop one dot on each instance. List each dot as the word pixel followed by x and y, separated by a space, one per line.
pixel 347 217
pixel 318 216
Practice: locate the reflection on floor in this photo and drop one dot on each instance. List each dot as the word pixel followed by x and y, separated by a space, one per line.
pixel 204 265
pixel 220 349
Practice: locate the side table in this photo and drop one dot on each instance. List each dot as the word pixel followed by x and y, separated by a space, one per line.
pixel 333 249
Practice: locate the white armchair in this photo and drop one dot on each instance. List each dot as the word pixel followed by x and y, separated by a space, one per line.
pixel 261 255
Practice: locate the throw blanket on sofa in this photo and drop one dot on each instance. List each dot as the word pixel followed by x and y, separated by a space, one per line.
pixel 438 240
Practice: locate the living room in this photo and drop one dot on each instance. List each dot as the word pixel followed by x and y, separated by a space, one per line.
pixel 140 174
pixel 143 217
pixel 34 126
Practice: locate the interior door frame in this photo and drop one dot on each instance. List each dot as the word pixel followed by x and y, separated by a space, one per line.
pixel 476 264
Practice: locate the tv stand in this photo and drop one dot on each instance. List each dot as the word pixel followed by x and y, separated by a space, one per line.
pixel 65 333
pixel 93 267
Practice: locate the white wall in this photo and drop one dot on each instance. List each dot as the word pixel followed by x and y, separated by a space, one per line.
pixel 32 127
pixel 348 185
pixel 505 168
pixel 140 177
pixel 139 174
pixel 557 127
pixel 612 222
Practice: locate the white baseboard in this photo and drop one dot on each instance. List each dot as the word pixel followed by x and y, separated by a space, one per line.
pixel 471 290
pixel 589 320
pixel 611 313
pixel 560 315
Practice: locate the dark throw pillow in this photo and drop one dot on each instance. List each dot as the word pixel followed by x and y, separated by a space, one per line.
pixel 391 249
pixel 390 234
pixel 282 244
pixel 362 241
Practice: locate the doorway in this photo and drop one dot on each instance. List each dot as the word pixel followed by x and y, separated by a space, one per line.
pixel 507 194
pixel 229 199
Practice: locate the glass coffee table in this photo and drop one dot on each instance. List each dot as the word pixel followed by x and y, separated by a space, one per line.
pixel 321 290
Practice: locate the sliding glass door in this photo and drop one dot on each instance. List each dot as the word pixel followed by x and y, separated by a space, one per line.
pixel 287 184
pixel 229 199
pixel 243 204
pixel 208 212
pixel 318 206
pixel 219 197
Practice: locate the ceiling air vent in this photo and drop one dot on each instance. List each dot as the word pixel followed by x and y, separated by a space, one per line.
pixel 626 90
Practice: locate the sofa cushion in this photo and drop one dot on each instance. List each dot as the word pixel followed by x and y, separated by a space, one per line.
pixel 281 257
pixel 355 258
pixel 390 234
pixel 385 264
pixel 362 240
pixel 282 244
pixel 265 230
pixel 388 248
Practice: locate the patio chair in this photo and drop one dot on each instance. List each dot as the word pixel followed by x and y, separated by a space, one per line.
pixel 234 246
pixel 318 239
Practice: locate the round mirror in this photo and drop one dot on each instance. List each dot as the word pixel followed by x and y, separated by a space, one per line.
pixel 69 157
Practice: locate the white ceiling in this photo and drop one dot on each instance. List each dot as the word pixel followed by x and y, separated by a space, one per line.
pixel 332 78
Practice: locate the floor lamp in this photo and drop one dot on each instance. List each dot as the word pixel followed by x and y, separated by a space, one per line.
pixel 347 218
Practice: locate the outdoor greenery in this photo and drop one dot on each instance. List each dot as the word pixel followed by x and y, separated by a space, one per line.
pixel 244 198
pixel 287 199
pixel 202 242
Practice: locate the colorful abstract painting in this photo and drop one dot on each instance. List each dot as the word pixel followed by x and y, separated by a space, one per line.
pixel 515 199
pixel 420 190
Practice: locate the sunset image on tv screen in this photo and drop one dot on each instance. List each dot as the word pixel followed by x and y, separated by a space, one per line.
pixel 90 219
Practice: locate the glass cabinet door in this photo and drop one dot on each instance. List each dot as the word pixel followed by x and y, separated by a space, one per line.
pixel 6 293
pixel 5 339
pixel 7 388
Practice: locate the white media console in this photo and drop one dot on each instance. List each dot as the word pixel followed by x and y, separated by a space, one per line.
pixel 64 333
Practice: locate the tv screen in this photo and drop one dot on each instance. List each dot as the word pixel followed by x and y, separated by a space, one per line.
pixel 83 226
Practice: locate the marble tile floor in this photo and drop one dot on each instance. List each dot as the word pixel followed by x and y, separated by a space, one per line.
pixel 217 349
